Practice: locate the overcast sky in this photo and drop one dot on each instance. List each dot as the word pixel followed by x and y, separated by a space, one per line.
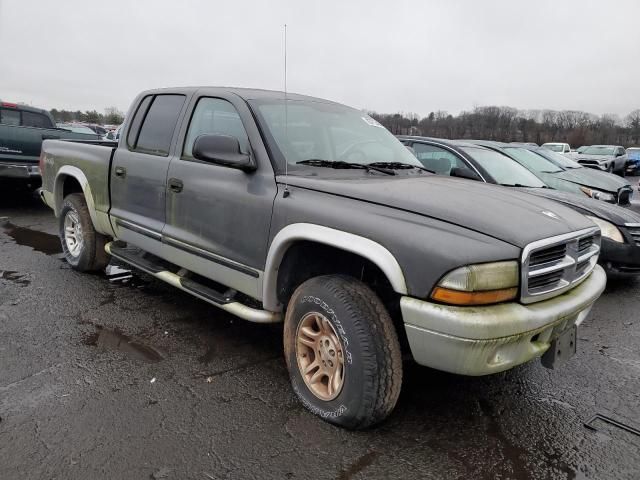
pixel 387 56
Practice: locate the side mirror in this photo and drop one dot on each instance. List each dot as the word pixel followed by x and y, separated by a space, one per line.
pixel 222 150
pixel 464 173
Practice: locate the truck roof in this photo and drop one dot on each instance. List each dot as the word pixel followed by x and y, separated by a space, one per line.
pixel 245 93
pixel 23 107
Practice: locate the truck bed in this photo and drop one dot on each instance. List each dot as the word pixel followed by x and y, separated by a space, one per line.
pixel 89 160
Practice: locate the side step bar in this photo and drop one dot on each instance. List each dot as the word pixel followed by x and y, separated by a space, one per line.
pixel 135 258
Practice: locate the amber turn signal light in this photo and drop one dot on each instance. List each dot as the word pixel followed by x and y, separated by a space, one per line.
pixel 457 297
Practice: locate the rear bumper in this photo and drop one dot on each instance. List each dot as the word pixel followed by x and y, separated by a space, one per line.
pixel 491 339
pixel 19 171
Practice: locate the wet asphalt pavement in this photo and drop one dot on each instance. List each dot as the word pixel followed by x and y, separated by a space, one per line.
pixel 119 376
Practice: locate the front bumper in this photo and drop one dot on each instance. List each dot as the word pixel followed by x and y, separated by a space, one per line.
pixel 620 259
pixel 595 164
pixel 19 171
pixel 491 339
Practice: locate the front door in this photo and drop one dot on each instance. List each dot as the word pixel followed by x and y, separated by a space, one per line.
pixel 218 220
pixel 139 169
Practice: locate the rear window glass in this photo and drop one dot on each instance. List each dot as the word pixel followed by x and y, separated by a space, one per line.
pixel 137 121
pixel 9 117
pixel 159 124
pixel 30 119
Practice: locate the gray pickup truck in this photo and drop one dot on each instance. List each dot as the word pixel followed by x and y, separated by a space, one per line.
pixel 302 210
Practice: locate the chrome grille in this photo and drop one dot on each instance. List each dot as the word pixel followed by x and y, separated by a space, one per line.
pixel 550 255
pixel 555 265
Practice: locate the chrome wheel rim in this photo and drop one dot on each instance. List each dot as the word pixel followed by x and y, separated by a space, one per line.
pixel 73 233
pixel 320 356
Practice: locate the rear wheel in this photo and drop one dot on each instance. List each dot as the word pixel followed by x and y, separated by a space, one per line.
pixel 342 352
pixel 82 246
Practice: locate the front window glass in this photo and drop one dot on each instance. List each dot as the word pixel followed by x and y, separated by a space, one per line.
pixel 437 159
pixel 215 116
pixel 31 119
pixel 326 131
pixel 532 161
pixel 596 150
pixel 503 169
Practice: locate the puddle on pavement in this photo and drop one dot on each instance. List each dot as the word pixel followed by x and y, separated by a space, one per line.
pixel 112 340
pixel 15 277
pixel 37 240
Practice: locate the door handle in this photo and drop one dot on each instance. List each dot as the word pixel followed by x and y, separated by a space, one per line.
pixel 120 172
pixel 175 185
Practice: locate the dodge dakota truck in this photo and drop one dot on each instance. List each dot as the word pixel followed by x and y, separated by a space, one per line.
pixel 22 130
pixel 290 208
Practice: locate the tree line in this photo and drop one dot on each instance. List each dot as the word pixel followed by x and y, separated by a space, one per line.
pixel 111 116
pixel 508 124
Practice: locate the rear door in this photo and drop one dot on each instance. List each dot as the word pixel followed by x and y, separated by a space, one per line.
pixel 218 217
pixel 139 170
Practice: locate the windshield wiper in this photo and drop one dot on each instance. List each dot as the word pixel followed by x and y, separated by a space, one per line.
pixel 519 185
pixel 398 166
pixel 318 162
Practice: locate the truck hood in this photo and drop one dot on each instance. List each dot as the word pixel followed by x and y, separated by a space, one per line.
pixel 500 212
pixel 611 213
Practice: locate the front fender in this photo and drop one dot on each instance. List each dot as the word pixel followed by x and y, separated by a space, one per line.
pixel 362 246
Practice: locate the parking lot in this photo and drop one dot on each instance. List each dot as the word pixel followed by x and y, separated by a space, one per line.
pixel 118 375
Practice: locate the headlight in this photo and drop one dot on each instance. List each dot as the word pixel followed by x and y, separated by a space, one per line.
pixel 598 195
pixel 480 284
pixel 609 230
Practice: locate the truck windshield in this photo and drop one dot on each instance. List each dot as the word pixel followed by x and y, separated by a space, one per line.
pixel 554 147
pixel 532 161
pixel 596 150
pixel 502 169
pixel 310 130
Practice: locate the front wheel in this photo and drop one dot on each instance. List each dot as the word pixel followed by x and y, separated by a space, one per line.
pixel 82 246
pixel 342 352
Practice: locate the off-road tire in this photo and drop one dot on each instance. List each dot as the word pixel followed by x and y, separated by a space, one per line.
pixel 372 356
pixel 92 256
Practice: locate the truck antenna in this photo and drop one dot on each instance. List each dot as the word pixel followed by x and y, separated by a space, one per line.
pixel 285 194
